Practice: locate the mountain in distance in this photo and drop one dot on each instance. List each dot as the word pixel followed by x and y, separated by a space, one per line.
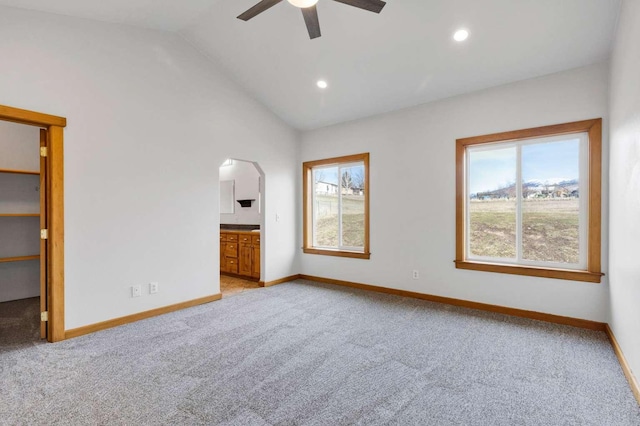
pixel 534 189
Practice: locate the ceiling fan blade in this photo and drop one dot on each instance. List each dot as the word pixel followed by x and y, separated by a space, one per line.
pixel 310 15
pixel 370 5
pixel 258 9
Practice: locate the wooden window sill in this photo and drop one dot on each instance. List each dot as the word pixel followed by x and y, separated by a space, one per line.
pixel 561 274
pixel 338 253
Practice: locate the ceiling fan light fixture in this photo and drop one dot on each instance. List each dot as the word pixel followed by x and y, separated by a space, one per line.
pixel 309 11
pixel 303 3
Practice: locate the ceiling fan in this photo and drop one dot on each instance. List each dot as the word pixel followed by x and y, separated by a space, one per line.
pixel 309 11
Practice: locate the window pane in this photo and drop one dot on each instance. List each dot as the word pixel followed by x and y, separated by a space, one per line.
pixel 352 206
pixel 492 202
pixel 551 207
pixel 326 207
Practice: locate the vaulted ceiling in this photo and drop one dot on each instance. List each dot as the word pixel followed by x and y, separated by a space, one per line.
pixel 372 63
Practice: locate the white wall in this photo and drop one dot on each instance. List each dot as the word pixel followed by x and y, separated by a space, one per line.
pixel 246 179
pixel 149 122
pixel 625 185
pixel 19 150
pixel 413 191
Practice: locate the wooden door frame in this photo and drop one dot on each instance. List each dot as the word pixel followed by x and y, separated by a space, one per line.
pixel 55 210
pixel 44 278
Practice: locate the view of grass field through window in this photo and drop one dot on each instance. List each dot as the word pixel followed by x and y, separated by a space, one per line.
pixel 339 206
pixel 549 196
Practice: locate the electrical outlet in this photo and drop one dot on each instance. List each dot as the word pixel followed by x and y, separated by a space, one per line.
pixel 153 288
pixel 136 291
pixel 416 274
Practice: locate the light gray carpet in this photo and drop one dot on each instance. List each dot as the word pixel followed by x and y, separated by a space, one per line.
pixel 313 354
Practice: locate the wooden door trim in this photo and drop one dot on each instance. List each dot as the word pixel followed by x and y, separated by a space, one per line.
pixel 43 243
pixel 55 245
pixel 55 209
pixel 31 118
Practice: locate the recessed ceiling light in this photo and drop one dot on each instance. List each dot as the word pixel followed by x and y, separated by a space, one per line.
pixel 322 84
pixel 461 35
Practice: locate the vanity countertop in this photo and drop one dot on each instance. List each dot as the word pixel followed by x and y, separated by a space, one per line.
pixel 237 231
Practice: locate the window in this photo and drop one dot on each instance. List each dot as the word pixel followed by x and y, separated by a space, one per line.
pixel 528 202
pixel 336 206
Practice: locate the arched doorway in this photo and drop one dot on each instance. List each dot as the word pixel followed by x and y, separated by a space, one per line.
pixel 241 226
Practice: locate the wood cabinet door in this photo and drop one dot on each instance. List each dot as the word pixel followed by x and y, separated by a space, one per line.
pixel 245 259
pixel 255 267
pixel 223 265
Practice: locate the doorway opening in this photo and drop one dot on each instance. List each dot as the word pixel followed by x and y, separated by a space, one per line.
pixel 31 227
pixel 241 226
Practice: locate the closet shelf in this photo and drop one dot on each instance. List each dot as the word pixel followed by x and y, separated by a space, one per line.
pixel 19 258
pixel 19 172
pixel 19 214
